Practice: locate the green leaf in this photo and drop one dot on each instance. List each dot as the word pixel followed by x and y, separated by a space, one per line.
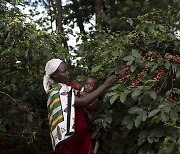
pixel 178 74
pixel 162 28
pixel 126 120
pixel 153 112
pixel 30 116
pixel 130 21
pixel 154 67
pixel 138 120
pixel 104 124
pixel 167 109
pixel 144 115
pixel 149 65
pixel 135 110
pixel 136 53
pixel 151 27
pixel 96 68
pixel 172 36
pixel 142 137
pixel 130 124
pixel 113 98
pixel 154 120
pixel 164 116
pixel 6 51
pixel 108 119
pixel 150 140
pixel 133 68
pixel 178 91
pixel 173 114
pixel 109 94
pixel 152 94
pixel 115 53
pixel 129 58
pixel 168 92
pixel 136 93
pixel 124 95
pixel 167 65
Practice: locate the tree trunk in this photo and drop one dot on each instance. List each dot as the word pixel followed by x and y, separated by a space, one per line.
pixel 59 26
pixel 79 20
pixel 59 16
pixel 98 11
pixel 51 13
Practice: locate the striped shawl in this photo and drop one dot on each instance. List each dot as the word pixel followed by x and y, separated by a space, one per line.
pixel 61 113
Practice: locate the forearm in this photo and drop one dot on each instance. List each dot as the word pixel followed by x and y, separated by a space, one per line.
pixel 83 101
pixel 87 99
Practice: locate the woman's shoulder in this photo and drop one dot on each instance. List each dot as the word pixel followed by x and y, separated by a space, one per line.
pixel 55 87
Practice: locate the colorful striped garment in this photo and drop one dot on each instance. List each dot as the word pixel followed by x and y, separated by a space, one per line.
pixel 61 113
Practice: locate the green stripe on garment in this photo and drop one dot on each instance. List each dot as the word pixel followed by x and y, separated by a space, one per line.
pixel 56 115
pixel 56 87
pixel 56 95
pixel 57 122
pixel 54 107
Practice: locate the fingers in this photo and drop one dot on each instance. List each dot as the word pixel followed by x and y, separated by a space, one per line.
pixel 114 77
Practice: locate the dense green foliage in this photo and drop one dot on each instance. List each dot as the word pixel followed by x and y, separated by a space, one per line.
pixel 113 12
pixel 24 50
pixel 139 114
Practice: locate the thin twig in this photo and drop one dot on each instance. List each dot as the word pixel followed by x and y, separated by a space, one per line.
pixel 13 100
pixel 8 134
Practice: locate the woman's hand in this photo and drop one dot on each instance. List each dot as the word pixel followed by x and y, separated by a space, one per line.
pixel 110 81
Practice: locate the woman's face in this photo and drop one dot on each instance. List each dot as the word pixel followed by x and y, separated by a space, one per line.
pixel 61 75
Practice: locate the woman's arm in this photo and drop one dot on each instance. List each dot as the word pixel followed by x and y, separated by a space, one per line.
pixel 83 101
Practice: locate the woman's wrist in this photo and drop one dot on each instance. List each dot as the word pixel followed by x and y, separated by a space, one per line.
pixel 105 86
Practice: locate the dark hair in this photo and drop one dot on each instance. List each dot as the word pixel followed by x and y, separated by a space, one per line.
pixel 93 77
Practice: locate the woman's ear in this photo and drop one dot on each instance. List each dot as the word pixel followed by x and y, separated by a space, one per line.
pixel 53 75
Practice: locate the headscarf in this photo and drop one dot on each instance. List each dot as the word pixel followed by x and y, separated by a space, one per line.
pixel 51 67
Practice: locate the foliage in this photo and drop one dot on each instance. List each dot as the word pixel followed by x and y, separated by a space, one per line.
pixel 113 12
pixel 140 114
pixel 116 10
pixel 24 50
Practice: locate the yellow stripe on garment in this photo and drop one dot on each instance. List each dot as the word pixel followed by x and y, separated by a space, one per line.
pixel 56 120
pixel 54 102
pixel 48 116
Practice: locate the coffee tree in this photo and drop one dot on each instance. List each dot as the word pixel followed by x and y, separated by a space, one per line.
pixel 139 114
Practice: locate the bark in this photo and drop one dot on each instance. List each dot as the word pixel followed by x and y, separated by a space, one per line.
pixel 59 15
pixel 59 26
pixel 79 20
pixel 98 12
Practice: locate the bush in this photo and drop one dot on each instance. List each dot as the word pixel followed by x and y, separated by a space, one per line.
pixel 24 50
pixel 140 114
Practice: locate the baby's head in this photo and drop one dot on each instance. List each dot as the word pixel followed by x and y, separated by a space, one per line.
pixel 91 83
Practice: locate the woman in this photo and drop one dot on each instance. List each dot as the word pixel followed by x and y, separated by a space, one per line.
pixel 68 129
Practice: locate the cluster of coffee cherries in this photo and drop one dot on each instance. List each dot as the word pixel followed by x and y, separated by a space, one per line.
pixel 125 74
pixel 152 55
pixel 145 70
pixel 175 59
pixel 159 74
pixel 137 81
pixel 173 98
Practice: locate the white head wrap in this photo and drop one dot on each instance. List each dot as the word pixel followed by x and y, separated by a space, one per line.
pixel 51 67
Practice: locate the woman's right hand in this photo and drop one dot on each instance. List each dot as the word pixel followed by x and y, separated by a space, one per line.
pixel 110 81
